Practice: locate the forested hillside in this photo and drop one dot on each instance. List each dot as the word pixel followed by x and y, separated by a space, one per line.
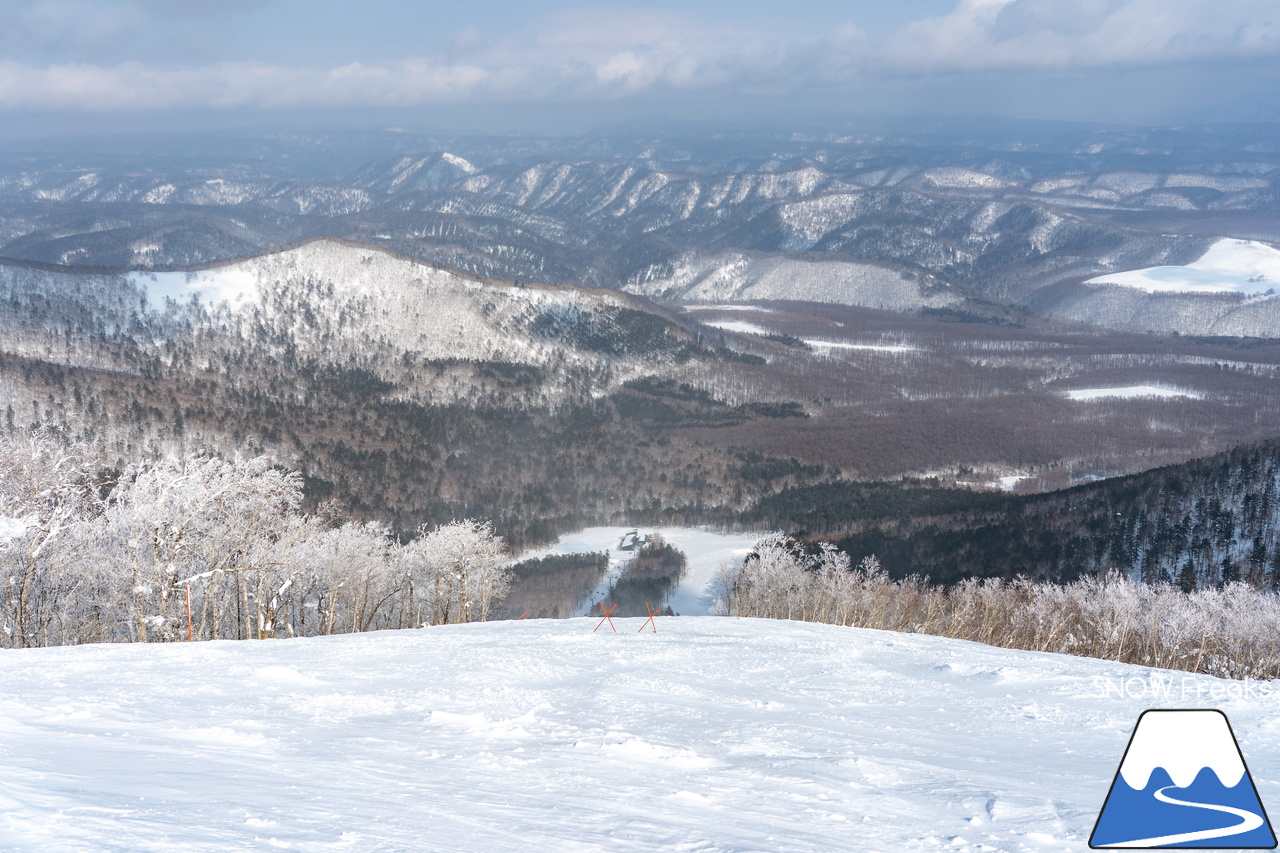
pixel 1200 524
pixel 412 394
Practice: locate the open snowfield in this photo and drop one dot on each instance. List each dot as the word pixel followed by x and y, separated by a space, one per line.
pixel 1230 266
pixel 730 306
pixel 704 549
pixel 714 734
pixel 1131 391
pixel 232 286
pixel 740 326
pixel 839 345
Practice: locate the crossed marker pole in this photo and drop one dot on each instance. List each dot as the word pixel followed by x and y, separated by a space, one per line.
pixel 609 613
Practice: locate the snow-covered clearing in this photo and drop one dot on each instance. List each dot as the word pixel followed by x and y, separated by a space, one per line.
pixel 730 307
pixel 1131 391
pixel 231 285
pixel 894 348
pixel 1011 482
pixel 1230 266
pixel 740 326
pixel 714 734
pixel 704 549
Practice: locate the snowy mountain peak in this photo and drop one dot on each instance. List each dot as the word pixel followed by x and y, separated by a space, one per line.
pixel 428 172
pixel 1183 743
pixel 457 162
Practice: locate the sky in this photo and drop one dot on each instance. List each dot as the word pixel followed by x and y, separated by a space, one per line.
pixel 540 65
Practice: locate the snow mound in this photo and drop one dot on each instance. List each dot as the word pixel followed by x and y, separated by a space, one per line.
pixel 1230 266
pixel 713 734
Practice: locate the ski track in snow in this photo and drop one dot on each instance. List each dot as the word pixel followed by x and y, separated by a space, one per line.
pixel 715 734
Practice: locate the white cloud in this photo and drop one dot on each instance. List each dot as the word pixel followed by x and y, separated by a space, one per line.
pixel 1040 34
pixel 603 53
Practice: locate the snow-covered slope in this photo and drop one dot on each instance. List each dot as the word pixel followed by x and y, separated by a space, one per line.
pixel 713 734
pixel 740 276
pixel 334 300
pixel 1230 266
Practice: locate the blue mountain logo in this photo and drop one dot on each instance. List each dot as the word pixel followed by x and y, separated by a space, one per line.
pixel 1183 783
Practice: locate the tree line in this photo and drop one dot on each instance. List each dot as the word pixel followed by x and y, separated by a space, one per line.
pixel 1231 631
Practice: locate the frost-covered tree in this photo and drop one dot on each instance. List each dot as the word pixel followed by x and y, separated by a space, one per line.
pixel 47 488
pixel 219 520
pixel 456 571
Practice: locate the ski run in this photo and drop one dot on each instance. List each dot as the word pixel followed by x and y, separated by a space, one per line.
pixel 712 734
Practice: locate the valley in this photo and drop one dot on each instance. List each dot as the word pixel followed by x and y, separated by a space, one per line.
pixel 747 322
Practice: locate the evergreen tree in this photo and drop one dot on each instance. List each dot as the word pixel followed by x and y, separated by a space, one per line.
pixel 1187 577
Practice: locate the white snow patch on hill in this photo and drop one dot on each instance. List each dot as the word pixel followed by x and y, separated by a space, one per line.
pixel 713 734
pixel 894 348
pixel 960 178
pixel 1011 482
pixel 1230 266
pixel 738 276
pixel 730 307
pixel 739 326
pixel 1130 391
pixel 233 285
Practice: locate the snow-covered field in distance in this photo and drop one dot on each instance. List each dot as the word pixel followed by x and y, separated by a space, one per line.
pixel 740 326
pixel 730 307
pixel 835 345
pixel 1230 266
pixel 704 549
pixel 233 285
pixel 714 734
pixel 1131 391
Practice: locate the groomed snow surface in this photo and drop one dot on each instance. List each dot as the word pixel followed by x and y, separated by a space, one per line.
pixel 714 734
pixel 1230 266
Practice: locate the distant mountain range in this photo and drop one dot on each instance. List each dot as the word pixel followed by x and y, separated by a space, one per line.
pixel 934 217
pixel 662 326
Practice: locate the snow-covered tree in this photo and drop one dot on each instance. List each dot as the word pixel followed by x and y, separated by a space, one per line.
pixel 456 571
pixel 46 488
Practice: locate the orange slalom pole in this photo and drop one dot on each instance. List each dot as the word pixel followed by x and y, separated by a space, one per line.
pixel 188 589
